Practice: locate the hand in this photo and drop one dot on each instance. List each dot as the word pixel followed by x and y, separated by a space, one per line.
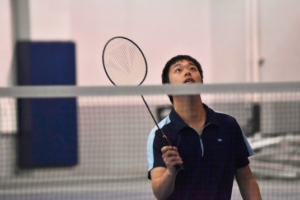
pixel 171 158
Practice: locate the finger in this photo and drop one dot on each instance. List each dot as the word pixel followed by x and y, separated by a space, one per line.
pixel 170 153
pixel 172 162
pixel 174 148
pixel 173 159
pixel 166 148
pixel 176 162
pixel 170 157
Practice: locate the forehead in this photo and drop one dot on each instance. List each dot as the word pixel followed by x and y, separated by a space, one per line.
pixel 182 62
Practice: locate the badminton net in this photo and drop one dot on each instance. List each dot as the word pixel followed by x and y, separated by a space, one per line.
pixel 113 126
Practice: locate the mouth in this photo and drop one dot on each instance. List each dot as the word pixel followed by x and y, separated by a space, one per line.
pixel 189 80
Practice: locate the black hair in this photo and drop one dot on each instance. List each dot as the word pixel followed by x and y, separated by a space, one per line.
pixel 172 61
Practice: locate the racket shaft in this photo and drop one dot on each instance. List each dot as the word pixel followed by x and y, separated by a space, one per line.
pixel 166 142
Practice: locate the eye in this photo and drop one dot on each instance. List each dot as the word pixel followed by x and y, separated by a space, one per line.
pixel 178 70
pixel 193 69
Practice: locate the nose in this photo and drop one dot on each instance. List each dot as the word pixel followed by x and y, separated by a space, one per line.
pixel 187 73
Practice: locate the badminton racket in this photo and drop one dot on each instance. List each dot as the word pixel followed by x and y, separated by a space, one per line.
pixel 125 64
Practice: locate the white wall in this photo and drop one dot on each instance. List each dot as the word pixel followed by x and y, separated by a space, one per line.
pixel 228 41
pixel 212 31
pixel 6 50
pixel 50 20
pixel 162 29
pixel 280 40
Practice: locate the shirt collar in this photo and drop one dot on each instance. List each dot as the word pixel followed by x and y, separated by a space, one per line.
pixel 178 123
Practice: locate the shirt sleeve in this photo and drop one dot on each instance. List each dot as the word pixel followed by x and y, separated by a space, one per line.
pixel 243 149
pixel 154 153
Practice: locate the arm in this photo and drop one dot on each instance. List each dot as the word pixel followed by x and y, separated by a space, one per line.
pixel 163 179
pixel 247 184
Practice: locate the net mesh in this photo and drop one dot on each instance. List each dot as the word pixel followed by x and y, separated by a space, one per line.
pixel 112 136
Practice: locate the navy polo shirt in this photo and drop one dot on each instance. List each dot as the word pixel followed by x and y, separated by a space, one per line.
pixel 210 158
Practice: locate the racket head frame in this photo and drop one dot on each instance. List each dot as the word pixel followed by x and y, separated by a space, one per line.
pixel 121 37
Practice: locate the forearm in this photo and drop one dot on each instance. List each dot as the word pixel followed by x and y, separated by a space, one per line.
pixel 164 185
pixel 248 186
pixel 250 190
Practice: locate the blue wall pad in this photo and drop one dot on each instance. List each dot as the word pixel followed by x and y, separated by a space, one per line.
pixel 47 128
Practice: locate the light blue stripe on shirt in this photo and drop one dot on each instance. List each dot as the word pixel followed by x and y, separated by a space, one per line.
pixel 250 151
pixel 150 142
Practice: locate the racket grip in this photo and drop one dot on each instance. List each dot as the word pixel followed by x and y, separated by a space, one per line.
pixel 179 167
pixel 166 142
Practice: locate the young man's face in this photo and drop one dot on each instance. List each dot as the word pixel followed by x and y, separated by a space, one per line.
pixel 184 72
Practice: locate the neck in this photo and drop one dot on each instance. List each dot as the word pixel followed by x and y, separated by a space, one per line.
pixel 190 109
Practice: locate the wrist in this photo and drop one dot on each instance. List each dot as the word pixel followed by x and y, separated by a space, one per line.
pixel 171 173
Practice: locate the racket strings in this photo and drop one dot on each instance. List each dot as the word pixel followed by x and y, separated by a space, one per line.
pixel 124 62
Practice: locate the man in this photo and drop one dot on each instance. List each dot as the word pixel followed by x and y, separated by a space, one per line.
pixel 210 146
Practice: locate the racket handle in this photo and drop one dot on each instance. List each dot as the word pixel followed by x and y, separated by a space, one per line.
pixel 166 142
pixel 179 167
